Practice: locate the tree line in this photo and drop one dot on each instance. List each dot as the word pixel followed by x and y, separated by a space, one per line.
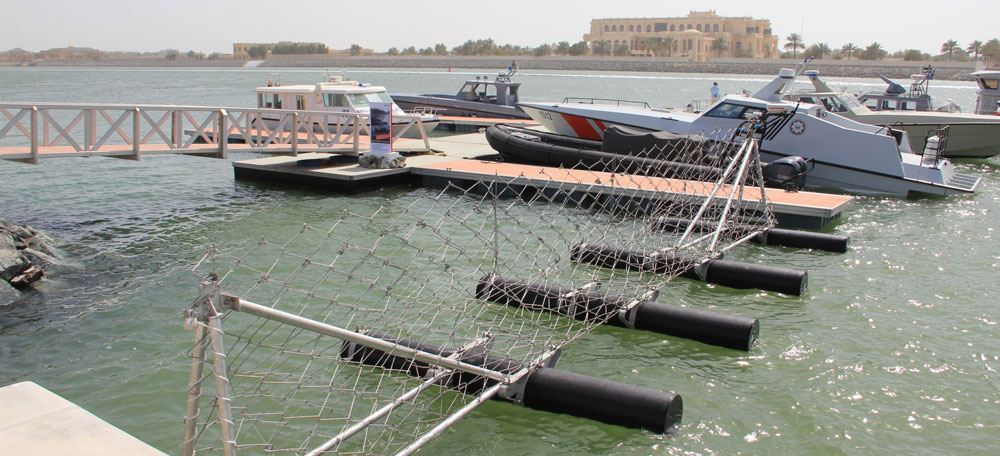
pixel 487 47
pixel 989 50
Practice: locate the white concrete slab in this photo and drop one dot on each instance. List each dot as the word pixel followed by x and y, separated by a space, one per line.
pixel 37 422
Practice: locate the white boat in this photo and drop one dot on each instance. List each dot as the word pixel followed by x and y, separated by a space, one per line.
pixel 848 155
pixel 969 135
pixel 339 95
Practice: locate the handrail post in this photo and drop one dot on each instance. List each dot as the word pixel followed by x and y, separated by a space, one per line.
pixel 176 122
pixel 89 129
pixel 295 133
pixel 135 134
pixel 34 135
pixel 222 136
pixel 355 134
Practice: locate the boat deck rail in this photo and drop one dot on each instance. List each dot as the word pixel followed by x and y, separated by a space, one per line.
pixel 30 131
pixel 607 101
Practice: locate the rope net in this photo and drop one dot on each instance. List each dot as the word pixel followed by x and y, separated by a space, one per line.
pixel 409 270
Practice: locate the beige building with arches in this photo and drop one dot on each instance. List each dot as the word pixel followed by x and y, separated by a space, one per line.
pixel 691 36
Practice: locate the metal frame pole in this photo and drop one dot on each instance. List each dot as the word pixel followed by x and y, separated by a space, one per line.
pixel 222 395
pixel 194 390
pixel 390 348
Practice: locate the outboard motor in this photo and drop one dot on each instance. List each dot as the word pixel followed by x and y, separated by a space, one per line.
pixel 788 173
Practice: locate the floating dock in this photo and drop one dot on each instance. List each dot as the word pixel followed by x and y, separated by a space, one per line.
pixel 458 159
pixel 37 422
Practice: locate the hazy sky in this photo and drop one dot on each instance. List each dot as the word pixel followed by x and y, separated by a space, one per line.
pixel 213 25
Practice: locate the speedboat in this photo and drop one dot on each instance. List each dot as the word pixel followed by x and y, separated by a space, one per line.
pixel 846 155
pixel 968 135
pixel 896 98
pixel 338 94
pixel 477 98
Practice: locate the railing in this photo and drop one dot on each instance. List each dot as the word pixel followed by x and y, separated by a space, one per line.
pixel 607 101
pixel 37 130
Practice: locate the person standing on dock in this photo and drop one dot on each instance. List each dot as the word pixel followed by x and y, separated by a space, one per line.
pixel 715 92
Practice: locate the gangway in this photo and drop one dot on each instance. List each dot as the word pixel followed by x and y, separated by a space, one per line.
pixel 30 132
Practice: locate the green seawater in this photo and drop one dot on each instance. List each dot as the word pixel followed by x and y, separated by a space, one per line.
pixel 893 349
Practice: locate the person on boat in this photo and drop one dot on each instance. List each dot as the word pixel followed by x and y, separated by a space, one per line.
pixel 715 92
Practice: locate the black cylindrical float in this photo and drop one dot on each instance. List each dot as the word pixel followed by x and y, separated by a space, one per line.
pixel 546 389
pixel 730 331
pixel 704 326
pixel 807 240
pixel 602 400
pixel 635 260
pixel 728 273
pixel 744 275
pixel 547 298
pixel 774 236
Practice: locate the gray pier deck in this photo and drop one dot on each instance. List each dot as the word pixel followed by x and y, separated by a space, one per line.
pixel 456 160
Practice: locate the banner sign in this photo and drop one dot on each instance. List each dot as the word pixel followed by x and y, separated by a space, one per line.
pixel 381 128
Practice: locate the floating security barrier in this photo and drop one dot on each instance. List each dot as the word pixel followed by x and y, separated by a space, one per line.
pixel 774 236
pixel 729 273
pixel 544 388
pixel 713 328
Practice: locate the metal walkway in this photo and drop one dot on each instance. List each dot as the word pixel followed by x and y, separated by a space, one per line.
pixel 30 132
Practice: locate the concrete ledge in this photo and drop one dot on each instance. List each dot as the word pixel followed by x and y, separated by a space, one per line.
pixel 36 422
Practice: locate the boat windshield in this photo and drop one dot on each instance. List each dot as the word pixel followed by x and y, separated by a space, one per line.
pixel 335 99
pixel 732 111
pixel 364 99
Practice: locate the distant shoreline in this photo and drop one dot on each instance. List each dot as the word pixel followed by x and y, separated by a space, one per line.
pixel 957 71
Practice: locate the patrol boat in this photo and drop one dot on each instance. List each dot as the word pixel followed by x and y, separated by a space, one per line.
pixel 968 135
pixel 846 155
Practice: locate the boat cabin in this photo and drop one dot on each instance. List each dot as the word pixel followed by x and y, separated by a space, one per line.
pixel 499 92
pixel 896 98
pixel 989 92
pixel 334 95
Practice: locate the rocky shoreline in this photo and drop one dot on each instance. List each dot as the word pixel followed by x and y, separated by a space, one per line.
pixel 846 68
pixel 25 255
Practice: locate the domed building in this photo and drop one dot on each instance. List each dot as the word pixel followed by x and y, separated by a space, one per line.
pixel 696 36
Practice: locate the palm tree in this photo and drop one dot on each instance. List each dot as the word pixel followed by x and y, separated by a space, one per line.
pixel 794 43
pixel 719 44
pixel 874 51
pixel 950 46
pixel 650 45
pixel 818 51
pixel 667 44
pixel 975 47
pixel 602 47
pixel 849 49
pixel 991 50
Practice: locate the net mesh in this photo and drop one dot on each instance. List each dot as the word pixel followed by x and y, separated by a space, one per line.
pixel 410 269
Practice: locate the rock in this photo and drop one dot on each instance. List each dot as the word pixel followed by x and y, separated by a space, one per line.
pixel 11 260
pixel 26 278
pixel 41 258
pixel 8 294
pixel 25 253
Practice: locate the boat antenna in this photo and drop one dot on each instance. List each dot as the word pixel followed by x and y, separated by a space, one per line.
pixel 505 77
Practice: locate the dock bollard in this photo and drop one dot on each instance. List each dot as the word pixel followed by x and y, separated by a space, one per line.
pixel 729 273
pixel 712 328
pixel 774 236
pixel 546 389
